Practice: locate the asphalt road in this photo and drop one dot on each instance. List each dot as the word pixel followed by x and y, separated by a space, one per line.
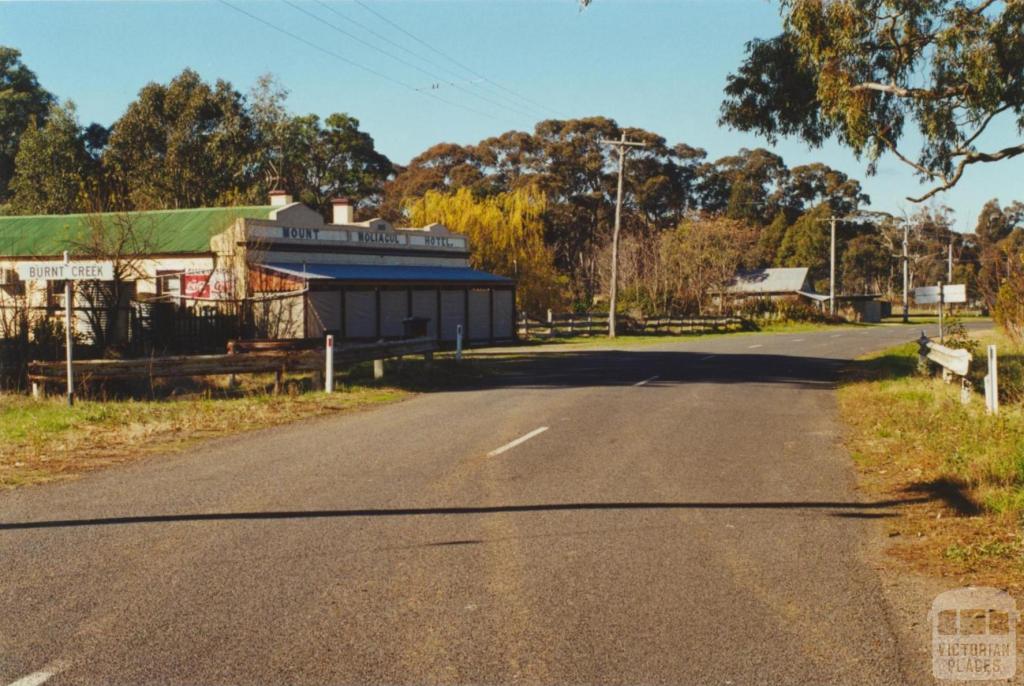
pixel 686 516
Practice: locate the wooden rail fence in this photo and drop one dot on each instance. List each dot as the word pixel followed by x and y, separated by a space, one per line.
pixel 277 362
pixel 596 323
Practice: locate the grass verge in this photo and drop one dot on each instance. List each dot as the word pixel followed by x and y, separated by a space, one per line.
pixel 960 471
pixel 45 440
pixel 654 339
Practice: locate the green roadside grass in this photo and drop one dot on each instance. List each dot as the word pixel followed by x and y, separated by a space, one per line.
pixel 912 439
pixel 655 339
pixel 44 440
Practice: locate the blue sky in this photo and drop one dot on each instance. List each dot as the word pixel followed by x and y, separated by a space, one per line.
pixel 656 65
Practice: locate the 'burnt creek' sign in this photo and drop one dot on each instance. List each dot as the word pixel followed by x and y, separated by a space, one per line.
pixel 66 271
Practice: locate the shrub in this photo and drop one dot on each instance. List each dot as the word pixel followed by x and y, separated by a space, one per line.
pixel 1011 381
pixel 1009 310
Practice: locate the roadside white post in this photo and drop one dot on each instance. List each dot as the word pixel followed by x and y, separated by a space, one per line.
pixel 992 382
pixel 378 369
pixel 329 365
pixel 942 302
pixel 458 342
pixel 69 326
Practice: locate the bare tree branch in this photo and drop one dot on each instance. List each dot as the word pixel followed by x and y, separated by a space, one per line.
pixel 969 159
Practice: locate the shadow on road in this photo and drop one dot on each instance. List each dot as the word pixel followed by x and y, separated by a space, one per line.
pixel 831 508
pixel 595 368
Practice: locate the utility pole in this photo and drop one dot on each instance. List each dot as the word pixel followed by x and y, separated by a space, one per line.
pixel 832 262
pixel 832 271
pixel 949 270
pixel 621 144
pixel 906 283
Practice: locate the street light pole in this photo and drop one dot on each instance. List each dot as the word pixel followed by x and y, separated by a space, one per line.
pixel 621 144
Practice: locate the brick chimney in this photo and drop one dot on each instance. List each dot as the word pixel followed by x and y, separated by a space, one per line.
pixel 343 213
pixel 280 199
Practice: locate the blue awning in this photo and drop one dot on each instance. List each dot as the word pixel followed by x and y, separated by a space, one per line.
pixel 388 273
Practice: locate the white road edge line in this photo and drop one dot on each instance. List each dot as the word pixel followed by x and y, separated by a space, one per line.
pixel 42 676
pixel 755 346
pixel 641 383
pixel 513 444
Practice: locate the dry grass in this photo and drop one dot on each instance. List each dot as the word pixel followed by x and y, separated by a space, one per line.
pixel 912 439
pixel 45 440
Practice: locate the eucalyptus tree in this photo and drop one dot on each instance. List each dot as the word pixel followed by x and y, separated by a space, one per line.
pixel 868 72
pixel 184 144
pixel 22 101
pixel 52 166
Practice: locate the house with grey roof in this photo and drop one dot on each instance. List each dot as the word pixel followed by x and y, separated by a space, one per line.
pixel 773 282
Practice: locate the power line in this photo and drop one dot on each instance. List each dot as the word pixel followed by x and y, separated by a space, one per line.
pixel 355 64
pixel 395 44
pixel 452 59
pixel 399 59
pixel 418 56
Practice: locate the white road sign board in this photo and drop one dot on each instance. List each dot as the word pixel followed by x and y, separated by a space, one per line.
pixel 952 293
pixel 66 271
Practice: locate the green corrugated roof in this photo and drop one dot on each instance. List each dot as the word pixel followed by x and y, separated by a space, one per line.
pixel 162 231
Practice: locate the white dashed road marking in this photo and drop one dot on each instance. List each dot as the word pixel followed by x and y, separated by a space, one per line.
pixel 835 335
pixel 706 358
pixel 755 346
pixel 641 383
pixel 43 675
pixel 797 340
pixel 513 444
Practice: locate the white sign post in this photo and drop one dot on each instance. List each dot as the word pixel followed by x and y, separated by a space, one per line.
pixel 67 271
pixel 329 365
pixel 992 382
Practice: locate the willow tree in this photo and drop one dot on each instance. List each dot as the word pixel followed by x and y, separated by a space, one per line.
pixel 866 72
pixel 506 235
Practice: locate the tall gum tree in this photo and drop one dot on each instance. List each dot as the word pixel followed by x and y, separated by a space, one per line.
pixel 865 71
pixel 22 100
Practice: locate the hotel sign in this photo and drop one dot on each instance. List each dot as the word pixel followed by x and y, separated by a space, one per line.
pixel 66 271
pixel 383 239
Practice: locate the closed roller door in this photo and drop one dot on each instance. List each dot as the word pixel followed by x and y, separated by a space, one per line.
pixel 504 303
pixel 453 313
pixel 479 315
pixel 424 304
pixel 360 314
pixel 393 308
pixel 323 313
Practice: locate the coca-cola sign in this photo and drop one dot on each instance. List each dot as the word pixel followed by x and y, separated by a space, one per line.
pixel 216 284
